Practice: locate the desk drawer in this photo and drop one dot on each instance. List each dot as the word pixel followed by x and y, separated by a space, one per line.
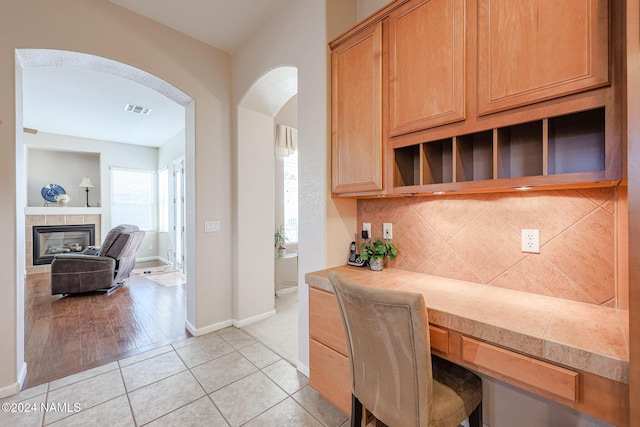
pixel 325 322
pixel 439 339
pixel 518 369
pixel 329 375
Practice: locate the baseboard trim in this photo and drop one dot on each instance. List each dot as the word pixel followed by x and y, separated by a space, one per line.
pixel 147 258
pixel 304 369
pixel 250 320
pixel 196 332
pixel 15 388
pixel 164 260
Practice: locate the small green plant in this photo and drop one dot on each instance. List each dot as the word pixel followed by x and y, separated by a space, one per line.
pixel 279 238
pixel 376 249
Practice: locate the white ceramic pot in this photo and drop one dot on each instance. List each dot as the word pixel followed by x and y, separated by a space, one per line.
pixel 377 264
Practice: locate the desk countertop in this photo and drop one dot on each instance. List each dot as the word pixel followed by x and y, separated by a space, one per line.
pixel 577 335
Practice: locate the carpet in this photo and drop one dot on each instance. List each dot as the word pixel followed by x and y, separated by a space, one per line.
pixel 162 275
pixel 280 332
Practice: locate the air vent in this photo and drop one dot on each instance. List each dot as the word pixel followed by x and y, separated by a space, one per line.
pixel 138 109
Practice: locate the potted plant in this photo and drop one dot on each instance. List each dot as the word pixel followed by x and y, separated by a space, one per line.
pixel 279 240
pixel 376 250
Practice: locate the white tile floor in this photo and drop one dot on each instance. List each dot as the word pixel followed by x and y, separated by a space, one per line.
pixel 225 378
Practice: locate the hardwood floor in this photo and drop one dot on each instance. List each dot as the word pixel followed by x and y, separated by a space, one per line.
pixel 65 335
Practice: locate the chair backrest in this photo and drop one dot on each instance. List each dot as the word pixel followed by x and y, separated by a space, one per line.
pixel 122 243
pixel 387 335
pixel 112 236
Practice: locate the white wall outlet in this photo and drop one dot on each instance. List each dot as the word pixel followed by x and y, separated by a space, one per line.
pixel 366 226
pixel 387 230
pixel 211 226
pixel 531 240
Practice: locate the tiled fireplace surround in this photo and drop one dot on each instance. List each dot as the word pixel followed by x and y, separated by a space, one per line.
pixel 477 238
pixel 65 219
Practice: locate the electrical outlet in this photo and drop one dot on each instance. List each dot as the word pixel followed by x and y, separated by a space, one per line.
pixel 366 226
pixel 387 230
pixel 531 240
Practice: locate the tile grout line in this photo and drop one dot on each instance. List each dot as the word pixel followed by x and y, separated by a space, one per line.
pixel 241 346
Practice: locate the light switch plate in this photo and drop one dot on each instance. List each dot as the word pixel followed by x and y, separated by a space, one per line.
pixel 211 226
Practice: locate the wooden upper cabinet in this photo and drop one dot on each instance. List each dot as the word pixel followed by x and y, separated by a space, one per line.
pixel 427 65
pixel 356 113
pixel 534 50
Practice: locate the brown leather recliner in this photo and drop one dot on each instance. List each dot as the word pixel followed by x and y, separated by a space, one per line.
pixel 102 269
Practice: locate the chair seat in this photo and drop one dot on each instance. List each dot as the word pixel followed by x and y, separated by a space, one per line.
pixel 456 393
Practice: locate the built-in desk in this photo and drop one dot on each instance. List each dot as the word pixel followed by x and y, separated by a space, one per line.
pixel 573 353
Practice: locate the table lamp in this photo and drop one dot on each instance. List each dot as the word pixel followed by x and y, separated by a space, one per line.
pixel 86 183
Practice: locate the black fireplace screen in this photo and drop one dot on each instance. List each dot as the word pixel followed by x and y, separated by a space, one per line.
pixel 50 240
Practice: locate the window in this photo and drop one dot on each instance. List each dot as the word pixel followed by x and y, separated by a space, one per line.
pixel 163 200
pixel 291 197
pixel 132 198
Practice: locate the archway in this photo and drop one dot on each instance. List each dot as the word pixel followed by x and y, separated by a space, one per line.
pixel 32 58
pixel 254 204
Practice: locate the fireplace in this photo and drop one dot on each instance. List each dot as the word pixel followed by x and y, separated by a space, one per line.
pixel 50 240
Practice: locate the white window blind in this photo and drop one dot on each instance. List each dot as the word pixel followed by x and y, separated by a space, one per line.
pixel 132 198
pixel 291 197
pixel 163 200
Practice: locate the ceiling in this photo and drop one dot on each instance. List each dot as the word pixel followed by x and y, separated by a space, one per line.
pixel 91 104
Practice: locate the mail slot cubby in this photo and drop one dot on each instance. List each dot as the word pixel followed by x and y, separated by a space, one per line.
pixel 577 142
pixel 535 151
pixel 520 150
pixel 407 166
pixel 438 161
pixel 474 156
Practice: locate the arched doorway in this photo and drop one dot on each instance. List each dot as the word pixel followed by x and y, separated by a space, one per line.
pixel 255 204
pixel 57 59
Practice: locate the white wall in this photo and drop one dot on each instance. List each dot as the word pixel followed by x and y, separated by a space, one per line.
pixel 296 36
pixel 368 7
pixel 104 29
pixel 66 169
pixel 254 292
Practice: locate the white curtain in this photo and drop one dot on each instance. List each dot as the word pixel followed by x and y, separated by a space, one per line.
pixel 286 140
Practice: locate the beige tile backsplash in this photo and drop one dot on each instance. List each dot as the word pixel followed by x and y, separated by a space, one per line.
pixel 477 238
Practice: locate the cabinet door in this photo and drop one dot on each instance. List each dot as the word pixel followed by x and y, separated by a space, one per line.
pixel 426 65
pixel 356 113
pixel 534 50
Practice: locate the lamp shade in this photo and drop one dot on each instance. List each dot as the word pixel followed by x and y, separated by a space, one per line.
pixel 86 182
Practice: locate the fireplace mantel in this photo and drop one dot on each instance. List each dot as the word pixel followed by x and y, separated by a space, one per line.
pixel 62 210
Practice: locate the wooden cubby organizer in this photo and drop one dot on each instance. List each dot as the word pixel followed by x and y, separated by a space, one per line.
pixel 568 149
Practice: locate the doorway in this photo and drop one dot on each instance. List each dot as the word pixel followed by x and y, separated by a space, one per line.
pixel 179 214
pixel 43 58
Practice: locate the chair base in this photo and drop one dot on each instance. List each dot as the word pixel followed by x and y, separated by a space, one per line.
pixel 475 418
pixel 107 291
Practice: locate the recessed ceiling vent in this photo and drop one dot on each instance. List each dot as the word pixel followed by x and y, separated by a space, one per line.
pixel 138 109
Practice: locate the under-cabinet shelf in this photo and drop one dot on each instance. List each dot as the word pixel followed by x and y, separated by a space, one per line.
pixel 520 150
pixel 533 151
pixel 474 156
pixel 576 142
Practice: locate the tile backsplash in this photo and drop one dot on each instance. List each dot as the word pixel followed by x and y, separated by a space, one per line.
pixel 477 238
